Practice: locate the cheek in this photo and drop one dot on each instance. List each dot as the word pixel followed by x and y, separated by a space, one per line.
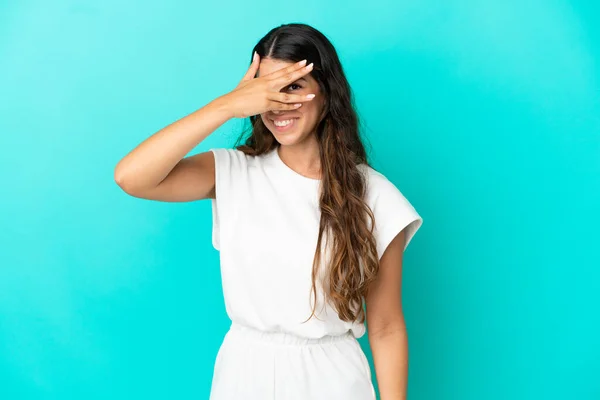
pixel 310 108
pixel 264 119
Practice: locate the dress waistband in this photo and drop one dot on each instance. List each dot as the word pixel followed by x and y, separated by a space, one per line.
pixel 284 338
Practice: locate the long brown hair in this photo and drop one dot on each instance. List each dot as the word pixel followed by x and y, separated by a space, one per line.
pixel 346 219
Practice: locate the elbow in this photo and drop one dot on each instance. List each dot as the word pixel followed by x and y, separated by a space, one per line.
pixel 121 180
pixel 121 183
pixel 390 325
pixel 129 184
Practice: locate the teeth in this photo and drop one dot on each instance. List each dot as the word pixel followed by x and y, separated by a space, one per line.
pixel 283 123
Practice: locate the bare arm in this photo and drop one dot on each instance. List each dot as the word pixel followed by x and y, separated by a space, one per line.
pixel 385 322
pixel 156 169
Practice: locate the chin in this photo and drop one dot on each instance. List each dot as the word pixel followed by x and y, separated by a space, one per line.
pixel 286 140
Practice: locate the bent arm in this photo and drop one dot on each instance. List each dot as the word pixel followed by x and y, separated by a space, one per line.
pixel 156 169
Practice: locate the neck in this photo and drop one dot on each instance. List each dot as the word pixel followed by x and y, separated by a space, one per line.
pixel 303 158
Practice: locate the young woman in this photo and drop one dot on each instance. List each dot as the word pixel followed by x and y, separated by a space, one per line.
pixel 306 229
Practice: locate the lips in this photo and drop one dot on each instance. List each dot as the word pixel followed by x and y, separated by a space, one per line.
pixel 285 127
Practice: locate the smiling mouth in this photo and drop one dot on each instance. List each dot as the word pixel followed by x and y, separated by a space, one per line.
pixel 284 125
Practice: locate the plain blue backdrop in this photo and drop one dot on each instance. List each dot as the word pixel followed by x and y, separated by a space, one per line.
pixel 485 114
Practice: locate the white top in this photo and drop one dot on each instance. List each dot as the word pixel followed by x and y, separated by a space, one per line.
pixel 266 224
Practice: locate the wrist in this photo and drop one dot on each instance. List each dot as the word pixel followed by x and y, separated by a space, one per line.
pixel 222 105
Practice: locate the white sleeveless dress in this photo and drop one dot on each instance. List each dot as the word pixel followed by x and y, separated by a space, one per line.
pixel 265 226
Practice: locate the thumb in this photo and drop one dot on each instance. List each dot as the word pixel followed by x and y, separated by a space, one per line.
pixel 253 68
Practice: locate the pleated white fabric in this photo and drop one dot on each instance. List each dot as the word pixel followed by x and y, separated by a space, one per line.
pixel 257 365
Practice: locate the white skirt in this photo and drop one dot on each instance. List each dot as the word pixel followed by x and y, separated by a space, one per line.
pixel 257 365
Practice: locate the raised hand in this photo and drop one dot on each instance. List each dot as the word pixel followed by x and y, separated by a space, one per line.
pixel 254 96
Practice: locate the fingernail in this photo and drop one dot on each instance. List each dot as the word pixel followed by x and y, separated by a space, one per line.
pixel 297 104
pixel 309 66
pixel 310 96
pixel 303 62
pixel 255 55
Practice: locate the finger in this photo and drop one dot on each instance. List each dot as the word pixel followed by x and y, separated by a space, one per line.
pixel 290 98
pixel 253 68
pixel 275 105
pixel 286 70
pixel 290 77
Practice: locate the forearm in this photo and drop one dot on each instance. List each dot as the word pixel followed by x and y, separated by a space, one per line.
pixel 390 357
pixel 152 160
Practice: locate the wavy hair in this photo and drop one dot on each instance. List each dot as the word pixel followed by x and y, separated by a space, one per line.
pixel 346 219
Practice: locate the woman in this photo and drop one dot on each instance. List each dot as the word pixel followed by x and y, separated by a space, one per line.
pixel 306 229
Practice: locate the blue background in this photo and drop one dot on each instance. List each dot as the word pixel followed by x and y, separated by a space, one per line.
pixel 486 115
